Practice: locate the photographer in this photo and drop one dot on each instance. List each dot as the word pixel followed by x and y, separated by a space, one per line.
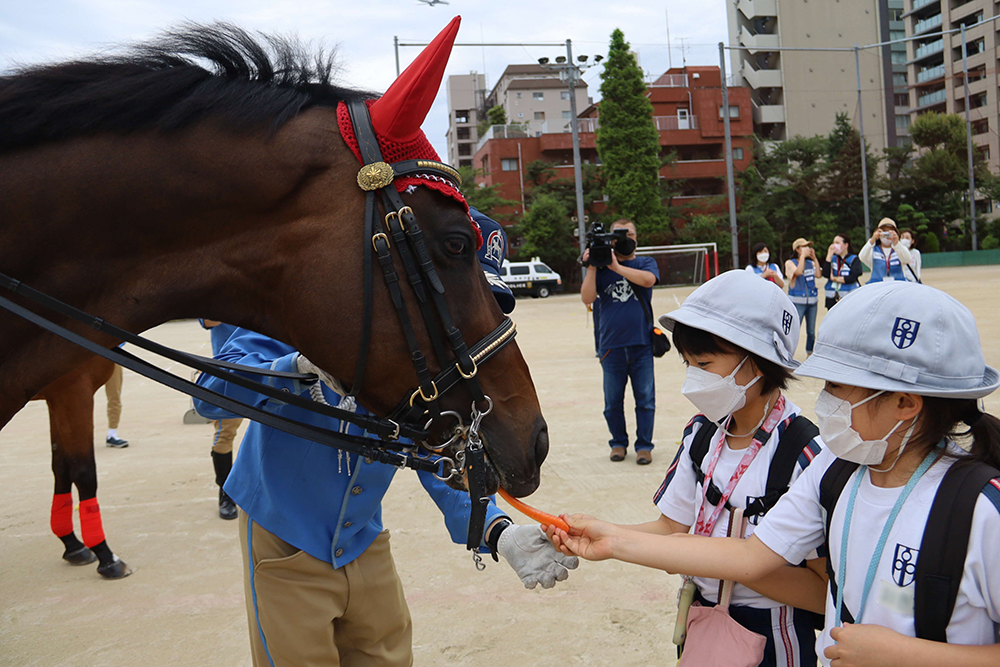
pixel 624 333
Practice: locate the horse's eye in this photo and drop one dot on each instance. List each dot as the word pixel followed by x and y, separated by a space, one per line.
pixel 455 246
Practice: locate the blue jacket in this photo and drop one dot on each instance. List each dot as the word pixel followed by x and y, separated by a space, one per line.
pixel 803 290
pixel 303 492
pixel 878 265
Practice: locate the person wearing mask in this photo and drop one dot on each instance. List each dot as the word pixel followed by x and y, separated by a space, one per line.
pixel 801 274
pixel 842 270
pixel 911 271
pixel 764 267
pixel 625 339
pixel 884 254
pixel 897 398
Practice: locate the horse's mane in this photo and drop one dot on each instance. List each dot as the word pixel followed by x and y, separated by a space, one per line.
pixel 183 77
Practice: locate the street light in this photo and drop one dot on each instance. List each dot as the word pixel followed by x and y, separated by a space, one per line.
pixel 570 73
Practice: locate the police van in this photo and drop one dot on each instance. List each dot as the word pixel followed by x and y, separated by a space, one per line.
pixel 532 278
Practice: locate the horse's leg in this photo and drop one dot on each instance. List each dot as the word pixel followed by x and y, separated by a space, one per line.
pixel 71 412
pixel 61 519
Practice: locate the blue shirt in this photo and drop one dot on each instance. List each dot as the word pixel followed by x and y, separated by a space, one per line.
pixel 623 319
pixel 327 505
pixel 220 334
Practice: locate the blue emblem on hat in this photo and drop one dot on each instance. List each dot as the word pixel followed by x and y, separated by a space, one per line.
pixel 904 332
pixel 786 321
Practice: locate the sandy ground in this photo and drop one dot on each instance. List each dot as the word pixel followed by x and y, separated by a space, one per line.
pixel 184 604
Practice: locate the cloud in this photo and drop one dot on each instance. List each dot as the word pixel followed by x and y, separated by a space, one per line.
pixel 363 32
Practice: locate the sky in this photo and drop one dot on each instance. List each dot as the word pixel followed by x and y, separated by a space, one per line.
pixel 362 32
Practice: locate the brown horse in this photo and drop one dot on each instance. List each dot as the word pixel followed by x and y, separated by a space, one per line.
pixel 70 400
pixel 145 188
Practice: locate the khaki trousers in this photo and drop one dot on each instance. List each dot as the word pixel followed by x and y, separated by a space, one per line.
pixel 304 613
pixel 225 434
pixel 113 389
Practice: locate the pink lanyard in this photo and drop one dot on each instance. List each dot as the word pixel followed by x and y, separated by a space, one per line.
pixel 705 525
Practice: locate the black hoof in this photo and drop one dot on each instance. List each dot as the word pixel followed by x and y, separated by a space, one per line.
pixel 81 556
pixel 116 569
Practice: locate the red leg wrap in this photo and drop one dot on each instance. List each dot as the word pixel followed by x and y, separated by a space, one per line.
pixel 90 522
pixel 61 520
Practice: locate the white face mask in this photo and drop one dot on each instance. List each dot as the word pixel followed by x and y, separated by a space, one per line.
pixel 717 397
pixel 762 257
pixel 837 248
pixel 905 243
pixel 834 416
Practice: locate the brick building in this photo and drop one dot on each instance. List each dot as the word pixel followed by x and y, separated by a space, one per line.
pixel 687 111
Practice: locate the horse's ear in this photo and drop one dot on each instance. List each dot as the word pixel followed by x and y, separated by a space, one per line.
pixel 399 113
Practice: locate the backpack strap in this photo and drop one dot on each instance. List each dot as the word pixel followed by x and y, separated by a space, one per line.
pixel 941 561
pixel 699 448
pixel 795 438
pixel 830 487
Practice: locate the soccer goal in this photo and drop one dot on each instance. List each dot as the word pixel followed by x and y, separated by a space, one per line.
pixel 684 264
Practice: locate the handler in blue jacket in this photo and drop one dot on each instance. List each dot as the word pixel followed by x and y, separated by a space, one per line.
pixel 321 587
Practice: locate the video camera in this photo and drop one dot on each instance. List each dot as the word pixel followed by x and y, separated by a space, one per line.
pixel 601 244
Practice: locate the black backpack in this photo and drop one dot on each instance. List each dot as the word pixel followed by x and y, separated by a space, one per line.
pixel 796 437
pixel 943 547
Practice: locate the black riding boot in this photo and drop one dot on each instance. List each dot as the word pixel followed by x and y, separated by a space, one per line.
pixel 223 464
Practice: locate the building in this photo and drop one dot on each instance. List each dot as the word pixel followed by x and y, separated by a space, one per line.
pixel 800 92
pixel 687 111
pixel 466 101
pixel 535 97
pixel 935 65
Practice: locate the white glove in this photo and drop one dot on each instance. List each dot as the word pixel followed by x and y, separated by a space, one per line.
pixel 534 559
pixel 305 366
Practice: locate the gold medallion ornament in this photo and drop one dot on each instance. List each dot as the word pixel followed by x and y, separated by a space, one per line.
pixel 375 176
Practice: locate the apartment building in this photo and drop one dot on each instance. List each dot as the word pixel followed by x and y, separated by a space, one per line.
pixel 935 65
pixel 800 92
pixel 535 97
pixel 687 111
pixel 466 100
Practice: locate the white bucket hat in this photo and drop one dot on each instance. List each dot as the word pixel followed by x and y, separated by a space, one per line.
pixel 901 336
pixel 741 308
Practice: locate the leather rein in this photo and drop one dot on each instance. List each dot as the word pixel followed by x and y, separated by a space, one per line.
pixel 415 413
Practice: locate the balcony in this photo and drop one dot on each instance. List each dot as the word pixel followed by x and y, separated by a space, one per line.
pixel 513 131
pixel 927 25
pixel 590 125
pixel 757 42
pixel 917 4
pixel 768 113
pixel 929 49
pixel 761 78
pixel 930 74
pixel 755 8
pixel 930 99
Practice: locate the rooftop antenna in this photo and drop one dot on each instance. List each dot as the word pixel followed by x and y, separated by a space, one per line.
pixel 670 63
pixel 684 62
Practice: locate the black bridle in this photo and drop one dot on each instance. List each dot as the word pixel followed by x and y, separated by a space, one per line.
pixel 414 415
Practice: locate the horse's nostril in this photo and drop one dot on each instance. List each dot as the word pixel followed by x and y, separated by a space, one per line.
pixel 541 444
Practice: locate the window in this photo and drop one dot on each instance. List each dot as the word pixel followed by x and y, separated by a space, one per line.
pixel 541 268
pixel 520 270
pixel 734 112
pixel 898 79
pixel 538 96
pixel 462 133
pixel 898 57
pixel 564 95
pixel 737 153
pixel 901 99
pixel 539 115
pixel 895 14
pixel 519 96
pixel 503 270
pixel 567 115
pixel 902 122
pixel 465 149
pixel 465 163
pixel 462 116
pixel 897 34
pixel 508 164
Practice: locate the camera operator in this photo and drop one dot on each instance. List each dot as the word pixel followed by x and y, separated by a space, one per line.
pixel 625 348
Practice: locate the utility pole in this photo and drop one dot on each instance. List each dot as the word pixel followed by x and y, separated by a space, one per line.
pixel 729 158
pixel 864 146
pixel 968 138
pixel 571 73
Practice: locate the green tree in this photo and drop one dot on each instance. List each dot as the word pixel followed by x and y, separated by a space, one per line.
pixel 485 198
pixel 494 116
pixel 547 232
pixel 541 178
pixel 627 139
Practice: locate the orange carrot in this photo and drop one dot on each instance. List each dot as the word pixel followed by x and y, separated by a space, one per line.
pixel 543 518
